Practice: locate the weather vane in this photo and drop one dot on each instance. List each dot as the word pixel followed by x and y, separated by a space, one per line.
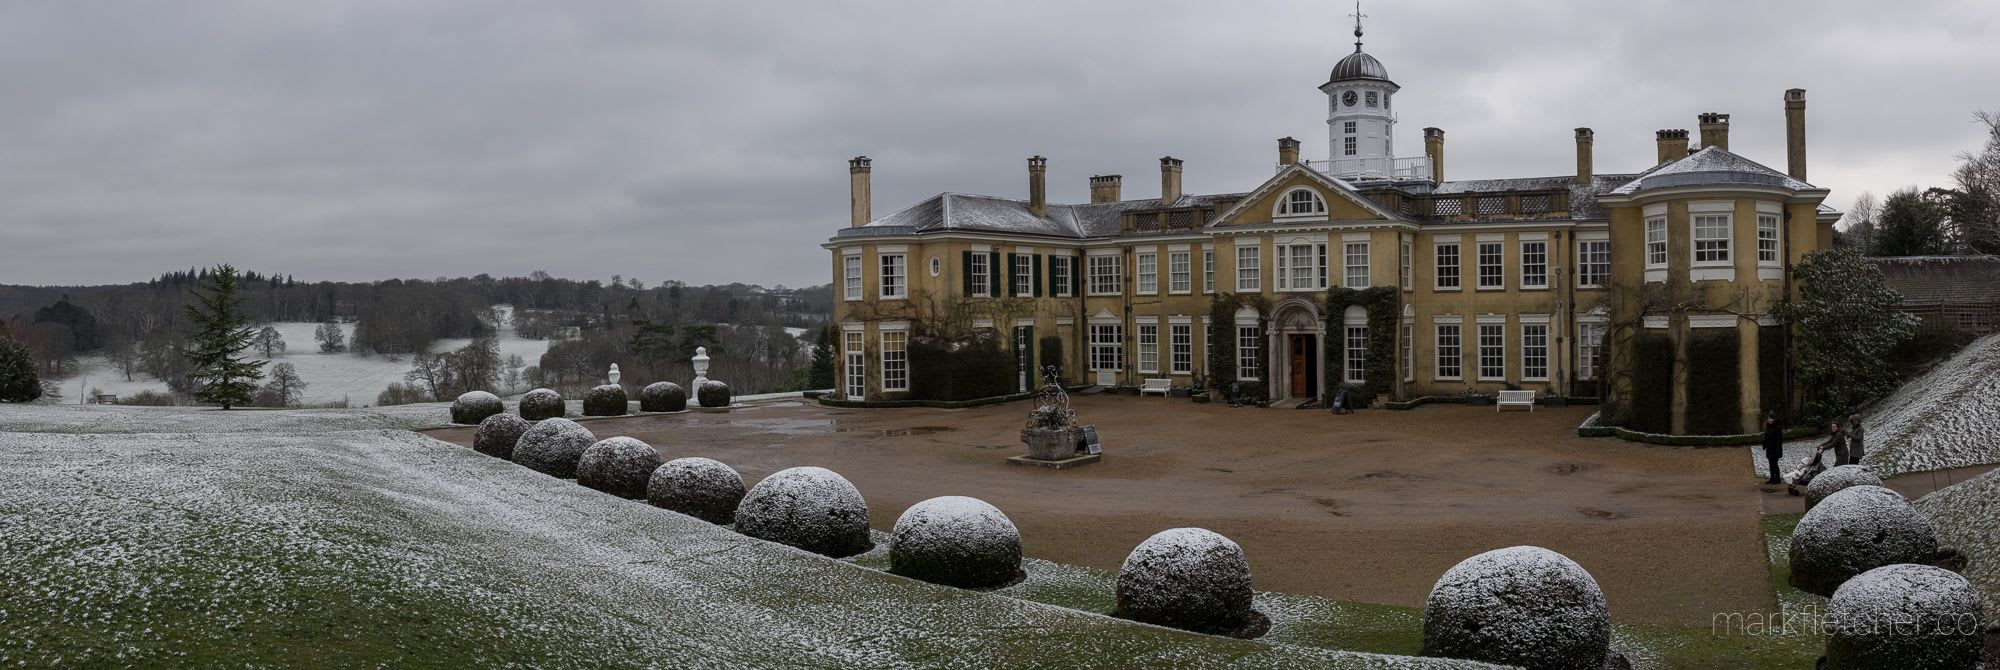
pixel 1358 16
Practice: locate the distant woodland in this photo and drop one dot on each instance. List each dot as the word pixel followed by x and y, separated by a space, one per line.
pixel 650 331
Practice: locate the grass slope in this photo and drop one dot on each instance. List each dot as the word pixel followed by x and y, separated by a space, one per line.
pixel 1967 516
pixel 283 539
pixel 1945 419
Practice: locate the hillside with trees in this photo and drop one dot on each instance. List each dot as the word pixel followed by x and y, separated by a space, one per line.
pixel 650 330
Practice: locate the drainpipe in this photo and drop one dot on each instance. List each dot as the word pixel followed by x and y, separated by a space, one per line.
pixel 1128 354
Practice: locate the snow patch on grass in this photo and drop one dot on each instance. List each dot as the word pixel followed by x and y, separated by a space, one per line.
pixel 1967 516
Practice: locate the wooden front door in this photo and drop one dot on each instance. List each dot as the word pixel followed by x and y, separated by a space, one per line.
pixel 1300 344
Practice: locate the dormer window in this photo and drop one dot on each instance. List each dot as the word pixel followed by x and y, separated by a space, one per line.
pixel 1301 202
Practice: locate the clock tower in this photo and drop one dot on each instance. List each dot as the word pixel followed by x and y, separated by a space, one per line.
pixel 1360 120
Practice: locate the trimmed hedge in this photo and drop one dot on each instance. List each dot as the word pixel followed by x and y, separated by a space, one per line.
pixel 1592 430
pixel 1652 383
pixel 968 368
pixel 1771 372
pixel 830 401
pixel 1715 383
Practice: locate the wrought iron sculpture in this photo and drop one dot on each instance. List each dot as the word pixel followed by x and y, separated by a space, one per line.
pixel 1052 411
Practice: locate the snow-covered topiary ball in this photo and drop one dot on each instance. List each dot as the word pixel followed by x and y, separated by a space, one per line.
pixel 1906 617
pixel 498 434
pixel 662 397
pixel 955 541
pixel 606 400
pixel 698 487
pixel 542 404
pixel 473 407
pixel 620 466
pixel 713 394
pixel 810 508
pixel 1839 478
pixel 1855 530
pixel 553 447
pixel 1187 578
pixel 1524 606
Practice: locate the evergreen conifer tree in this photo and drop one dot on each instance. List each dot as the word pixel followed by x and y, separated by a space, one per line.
pixel 18 381
pixel 222 375
pixel 822 371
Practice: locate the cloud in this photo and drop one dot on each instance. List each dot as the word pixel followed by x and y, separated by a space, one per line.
pixel 706 142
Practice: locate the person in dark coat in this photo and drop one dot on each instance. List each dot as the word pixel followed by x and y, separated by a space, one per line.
pixel 1836 442
pixel 1774 444
pixel 1855 450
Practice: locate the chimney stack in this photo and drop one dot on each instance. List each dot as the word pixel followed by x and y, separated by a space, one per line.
pixel 1584 139
pixel 1038 190
pixel 1434 148
pixel 1673 144
pixel 1170 180
pixel 1105 188
pixel 1795 133
pixel 1288 151
pixel 860 212
pixel 1715 131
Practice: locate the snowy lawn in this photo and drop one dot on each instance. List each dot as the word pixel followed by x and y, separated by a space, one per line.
pixel 1967 516
pixel 289 538
pixel 1948 418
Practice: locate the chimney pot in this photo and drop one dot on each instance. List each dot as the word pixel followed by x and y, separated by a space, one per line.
pixel 1672 144
pixel 1715 131
pixel 1288 151
pixel 1795 133
pixel 860 211
pixel 1106 187
pixel 1434 149
pixel 1170 180
pixel 1038 198
pixel 1585 137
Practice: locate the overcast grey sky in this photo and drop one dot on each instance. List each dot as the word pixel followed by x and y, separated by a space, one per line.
pixel 707 141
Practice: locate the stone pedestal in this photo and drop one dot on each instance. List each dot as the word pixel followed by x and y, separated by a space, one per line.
pixel 1050 444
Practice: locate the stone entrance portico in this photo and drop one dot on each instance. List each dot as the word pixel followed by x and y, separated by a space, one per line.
pixel 1296 340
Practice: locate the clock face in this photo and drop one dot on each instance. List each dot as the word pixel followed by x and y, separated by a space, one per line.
pixel 1348 98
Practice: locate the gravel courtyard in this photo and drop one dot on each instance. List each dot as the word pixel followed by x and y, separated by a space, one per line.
pixel 1370 507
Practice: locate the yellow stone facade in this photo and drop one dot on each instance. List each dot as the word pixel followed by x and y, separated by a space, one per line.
pixel 1501 283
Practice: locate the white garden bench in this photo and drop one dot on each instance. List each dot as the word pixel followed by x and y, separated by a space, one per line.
pixel 1517 398
pixel 1159 386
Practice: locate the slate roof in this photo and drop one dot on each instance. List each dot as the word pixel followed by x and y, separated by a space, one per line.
pixel 1943 280
pixel 1582 199
pixel 1358 65
pixel 981 213
pixel 1710 166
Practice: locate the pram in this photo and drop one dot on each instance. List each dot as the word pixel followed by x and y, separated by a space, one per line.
pixel 1806 471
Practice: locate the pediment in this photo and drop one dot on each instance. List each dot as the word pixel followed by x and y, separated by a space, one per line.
pixel 1341 202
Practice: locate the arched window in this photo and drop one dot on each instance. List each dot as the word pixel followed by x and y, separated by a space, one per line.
pixel 1301 202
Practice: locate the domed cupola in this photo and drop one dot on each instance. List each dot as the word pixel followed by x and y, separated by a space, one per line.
pixel 1358 65
pixel 1360 122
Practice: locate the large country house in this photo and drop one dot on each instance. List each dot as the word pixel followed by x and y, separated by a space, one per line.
pixel 1366 269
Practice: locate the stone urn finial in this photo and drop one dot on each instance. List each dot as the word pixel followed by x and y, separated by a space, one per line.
pixel 614 373
pixel 700 367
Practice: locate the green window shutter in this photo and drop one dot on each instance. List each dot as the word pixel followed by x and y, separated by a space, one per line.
pixel 1011 260
pixel 993 264
pixel 965 268
pixel 1038 275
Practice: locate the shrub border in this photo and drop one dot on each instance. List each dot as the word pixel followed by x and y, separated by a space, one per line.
pixel 830 401
pixel 1590 428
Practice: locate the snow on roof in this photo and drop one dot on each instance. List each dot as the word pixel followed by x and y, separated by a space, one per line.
pixel 1582 198
pixel 982 213
pixel 1711 165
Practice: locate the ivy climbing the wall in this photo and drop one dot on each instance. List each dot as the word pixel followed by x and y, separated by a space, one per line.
pixel 1378 372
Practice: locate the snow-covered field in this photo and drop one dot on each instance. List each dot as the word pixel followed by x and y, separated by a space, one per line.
pixel 294 537
pixel 328 377
pixel 1948 418
pixel 1967 516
